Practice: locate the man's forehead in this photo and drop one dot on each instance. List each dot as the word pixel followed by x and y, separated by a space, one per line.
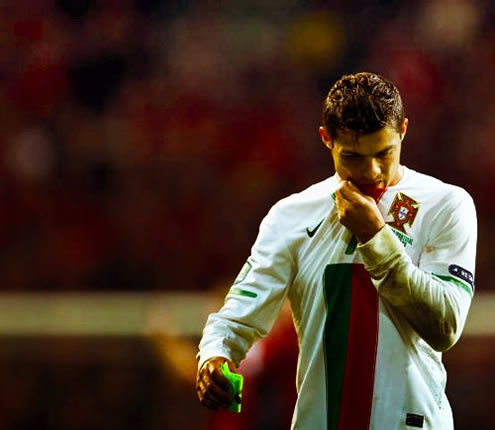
pixel 371 142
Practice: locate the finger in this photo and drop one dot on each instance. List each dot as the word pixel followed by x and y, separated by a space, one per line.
pixel 219 397
pixel 342 184
pixel 352 193
pixel 214 375
pixel 209 404
pixel 349 192
pixel 221 392
pixel 341 204
pixel 206 394
pixel 212 395
pixel 201 386
pixel 339 198
pixel 231 365
pixel 221 380
pixel 357 193
pixel 346 192
pixel 200 389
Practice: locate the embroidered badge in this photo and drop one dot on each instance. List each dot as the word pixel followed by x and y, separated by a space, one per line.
pixel 243 273
pixel 461 273
pixel 404 211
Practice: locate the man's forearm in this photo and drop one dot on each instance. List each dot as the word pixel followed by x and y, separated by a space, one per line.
pixel 222 337
pixel 435 308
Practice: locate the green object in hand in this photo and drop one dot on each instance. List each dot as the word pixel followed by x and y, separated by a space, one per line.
pixel 236 383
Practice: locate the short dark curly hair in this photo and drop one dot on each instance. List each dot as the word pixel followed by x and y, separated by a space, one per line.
pixel 362 103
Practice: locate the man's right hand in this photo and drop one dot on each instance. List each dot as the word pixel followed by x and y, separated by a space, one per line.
pixel 211 386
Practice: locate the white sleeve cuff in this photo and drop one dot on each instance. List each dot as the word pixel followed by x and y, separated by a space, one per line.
pixel 205 355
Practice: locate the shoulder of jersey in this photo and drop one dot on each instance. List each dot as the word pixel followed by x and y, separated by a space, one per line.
pixel 316 194
pixel 434 188
pixel 311 204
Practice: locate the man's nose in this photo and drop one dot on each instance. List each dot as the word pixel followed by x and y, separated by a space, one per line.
pixel 371 169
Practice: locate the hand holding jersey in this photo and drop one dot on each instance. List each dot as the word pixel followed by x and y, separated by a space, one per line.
pixel 358 211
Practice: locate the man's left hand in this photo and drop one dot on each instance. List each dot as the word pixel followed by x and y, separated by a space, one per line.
pixel 358 212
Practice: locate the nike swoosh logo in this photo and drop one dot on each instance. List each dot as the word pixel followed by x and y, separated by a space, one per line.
pixel 311 233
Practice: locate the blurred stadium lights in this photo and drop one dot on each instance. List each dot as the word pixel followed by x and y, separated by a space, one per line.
pixel 129 314
pixel 117 314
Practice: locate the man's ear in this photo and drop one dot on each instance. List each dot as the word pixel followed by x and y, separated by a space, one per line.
pixel 325 138
pixel 403 131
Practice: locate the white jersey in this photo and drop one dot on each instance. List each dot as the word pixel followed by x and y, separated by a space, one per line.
pixel 372 319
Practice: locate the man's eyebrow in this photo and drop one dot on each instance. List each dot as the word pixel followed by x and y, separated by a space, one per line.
pixel 387 148
pixel 350 152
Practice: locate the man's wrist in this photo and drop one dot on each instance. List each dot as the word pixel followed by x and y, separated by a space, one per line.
pixel 381 252
pixel 367 236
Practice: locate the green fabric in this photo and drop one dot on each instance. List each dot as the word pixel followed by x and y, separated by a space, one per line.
pixel 455 281
pixel 337 280
pixel 351 247
pixel 245 293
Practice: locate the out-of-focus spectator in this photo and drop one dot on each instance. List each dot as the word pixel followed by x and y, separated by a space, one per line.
pixel 142 141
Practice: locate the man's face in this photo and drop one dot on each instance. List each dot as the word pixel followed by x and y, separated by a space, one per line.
pixel 371 160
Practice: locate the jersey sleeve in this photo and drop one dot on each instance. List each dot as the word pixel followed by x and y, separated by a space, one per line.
pixel 254 300
pixel 434 296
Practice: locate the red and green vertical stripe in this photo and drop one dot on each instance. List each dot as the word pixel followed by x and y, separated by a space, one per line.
pixel 350 342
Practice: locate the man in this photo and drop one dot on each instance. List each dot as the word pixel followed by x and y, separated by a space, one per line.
pixel 377 262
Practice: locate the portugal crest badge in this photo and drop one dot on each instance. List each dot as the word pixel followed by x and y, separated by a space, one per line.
pixel 404 211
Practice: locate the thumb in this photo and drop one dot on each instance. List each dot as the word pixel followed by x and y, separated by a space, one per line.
pixel 231 365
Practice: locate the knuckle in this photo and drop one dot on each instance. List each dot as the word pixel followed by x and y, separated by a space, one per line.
pixel 208 389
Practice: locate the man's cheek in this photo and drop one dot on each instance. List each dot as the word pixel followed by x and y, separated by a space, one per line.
pixel 344 171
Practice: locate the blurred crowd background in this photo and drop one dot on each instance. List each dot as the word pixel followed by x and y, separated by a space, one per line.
pixel 142 141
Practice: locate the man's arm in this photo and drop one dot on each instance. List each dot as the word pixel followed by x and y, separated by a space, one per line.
pixel 250 310
pixel 432 298
pixel 436 305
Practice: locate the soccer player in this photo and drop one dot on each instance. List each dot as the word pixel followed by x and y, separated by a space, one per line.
pixel 378 264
